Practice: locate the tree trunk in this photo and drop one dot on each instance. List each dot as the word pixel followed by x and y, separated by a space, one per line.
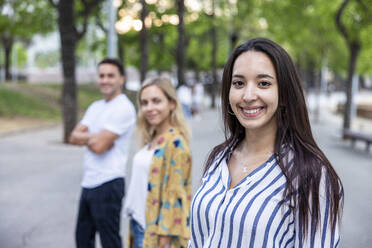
pixel 317 87
pixel 121 49
pixel 362 82
pixel 181 43
pixel 7 45
pixel 354 49
pixel 214 64
pixel 234 36
pixel 162 47
pixel 143 44
pixel 68 47
pixel 214 59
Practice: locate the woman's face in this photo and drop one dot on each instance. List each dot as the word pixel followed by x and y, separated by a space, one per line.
pixel 254 91
pixel 155 106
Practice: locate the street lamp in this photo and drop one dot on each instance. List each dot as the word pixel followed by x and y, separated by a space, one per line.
pixel 112 38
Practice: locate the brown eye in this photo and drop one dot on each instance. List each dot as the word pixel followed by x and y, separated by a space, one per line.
pixel 237 83
pixel 264 84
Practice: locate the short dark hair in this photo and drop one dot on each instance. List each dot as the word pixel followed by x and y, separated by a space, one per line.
pixel 114 62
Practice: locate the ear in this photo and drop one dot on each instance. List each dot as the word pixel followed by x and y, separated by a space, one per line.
pixel 122 80
pixel 172 104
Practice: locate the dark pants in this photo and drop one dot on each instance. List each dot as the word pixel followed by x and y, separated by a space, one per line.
pixel 99 211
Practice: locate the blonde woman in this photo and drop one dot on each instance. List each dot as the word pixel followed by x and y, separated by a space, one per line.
pixel 159 193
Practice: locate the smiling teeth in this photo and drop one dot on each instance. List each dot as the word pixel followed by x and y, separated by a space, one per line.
pixel 251 111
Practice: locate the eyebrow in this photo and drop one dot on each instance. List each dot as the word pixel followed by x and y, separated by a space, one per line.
pixel 151 99
pixel 258 76
pixel 264 76
pixel 108 74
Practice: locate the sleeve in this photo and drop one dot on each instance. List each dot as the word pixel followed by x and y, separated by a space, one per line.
pixel 176 192
pixel 121 120
pixel 322 234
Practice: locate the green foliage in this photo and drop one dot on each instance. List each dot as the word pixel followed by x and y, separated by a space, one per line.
pixel 162 47
pixel 26 17
pixel 357 21
pixel 130 43
pixel 1 57
pixel 20 20
pixel 306 28
pixel 199 46
pixel 92 47
pixel 47 59
pixel 365 61
pixel 357 16
pixel 21 55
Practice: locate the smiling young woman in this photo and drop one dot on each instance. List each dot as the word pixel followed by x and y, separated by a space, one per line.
pixel 268 184
pixel 159 194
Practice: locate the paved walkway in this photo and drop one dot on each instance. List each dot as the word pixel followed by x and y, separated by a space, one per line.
pixel 40 177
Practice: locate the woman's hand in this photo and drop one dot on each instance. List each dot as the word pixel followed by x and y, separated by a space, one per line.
pixel 164 241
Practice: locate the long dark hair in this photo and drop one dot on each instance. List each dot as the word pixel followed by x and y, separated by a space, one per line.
pixel 294 131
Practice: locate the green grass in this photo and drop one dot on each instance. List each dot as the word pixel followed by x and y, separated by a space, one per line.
pixel 14 104
pixel 43 101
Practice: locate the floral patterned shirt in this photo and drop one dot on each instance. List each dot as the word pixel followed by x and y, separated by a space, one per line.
pixel 169 192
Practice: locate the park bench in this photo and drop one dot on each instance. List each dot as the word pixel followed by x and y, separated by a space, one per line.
pixel 354 136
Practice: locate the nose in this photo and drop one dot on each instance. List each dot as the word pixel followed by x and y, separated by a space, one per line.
pixel 105 79
pixel 147 108
pixel 250 93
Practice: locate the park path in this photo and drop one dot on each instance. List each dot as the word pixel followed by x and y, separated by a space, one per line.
pixel 40 183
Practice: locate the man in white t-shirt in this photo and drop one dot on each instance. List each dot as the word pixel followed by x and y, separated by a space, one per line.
pixel 105 130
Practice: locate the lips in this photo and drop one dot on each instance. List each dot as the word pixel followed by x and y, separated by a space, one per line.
pixel 105 87
pixel 251 111
pixel 150 117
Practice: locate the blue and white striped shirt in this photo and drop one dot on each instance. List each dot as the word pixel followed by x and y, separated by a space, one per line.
pixel 253 213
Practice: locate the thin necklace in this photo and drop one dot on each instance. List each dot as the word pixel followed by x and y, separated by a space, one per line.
pixel 245 166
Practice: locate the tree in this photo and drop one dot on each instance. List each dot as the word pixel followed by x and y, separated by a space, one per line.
pixel 20 20
pixel 214 57
pixel 69 13
pixel 199 47
pixel 181 43
pixel 143 43
pixel 358 17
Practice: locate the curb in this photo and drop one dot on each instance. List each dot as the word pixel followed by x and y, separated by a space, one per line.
pixel 28 129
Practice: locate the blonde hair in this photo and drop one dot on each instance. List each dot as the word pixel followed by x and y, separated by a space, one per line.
pixel 145 131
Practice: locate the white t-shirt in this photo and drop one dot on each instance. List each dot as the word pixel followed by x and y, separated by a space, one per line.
pixel 135 201
pixel 118 116
pixel 184 95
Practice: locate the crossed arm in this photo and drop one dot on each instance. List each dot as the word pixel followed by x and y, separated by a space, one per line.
pixel 96 142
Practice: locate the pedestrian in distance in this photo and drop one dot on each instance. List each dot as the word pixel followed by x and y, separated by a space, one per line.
pixel 105 130
pixel 184 94
pixel 197 99
pixel 268 184
pixel 159 194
